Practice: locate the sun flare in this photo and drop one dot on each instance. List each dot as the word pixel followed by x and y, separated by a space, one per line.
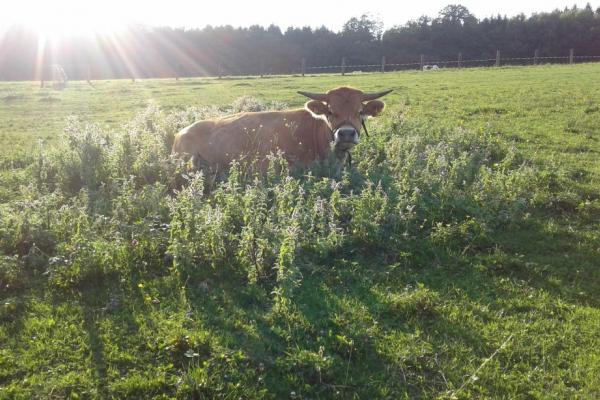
pixel 54 20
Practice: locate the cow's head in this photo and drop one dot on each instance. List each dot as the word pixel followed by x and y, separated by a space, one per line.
pixel 344 109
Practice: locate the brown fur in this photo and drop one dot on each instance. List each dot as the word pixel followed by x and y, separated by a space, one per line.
pixel 303 135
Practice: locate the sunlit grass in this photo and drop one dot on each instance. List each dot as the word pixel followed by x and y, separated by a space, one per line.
pixel 457 258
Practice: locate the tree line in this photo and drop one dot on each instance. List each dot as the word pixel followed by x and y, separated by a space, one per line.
pixel 144 52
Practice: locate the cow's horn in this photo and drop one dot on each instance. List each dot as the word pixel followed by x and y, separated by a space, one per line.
pixel 314 96
pixel 373 96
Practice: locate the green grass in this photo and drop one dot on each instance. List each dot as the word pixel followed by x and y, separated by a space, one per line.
pixel 458 258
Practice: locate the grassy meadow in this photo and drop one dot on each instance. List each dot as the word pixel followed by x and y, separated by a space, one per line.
pixel 459 257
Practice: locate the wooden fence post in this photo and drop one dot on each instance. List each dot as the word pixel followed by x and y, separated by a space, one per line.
pixel 343 66
pixel 422 62
pixel 571 55
pixel 498 58
pixel 382 64
pixel 536 56
pixel 459 60
pixel 303 66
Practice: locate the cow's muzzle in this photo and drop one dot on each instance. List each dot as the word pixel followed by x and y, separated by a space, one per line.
pixel 345 137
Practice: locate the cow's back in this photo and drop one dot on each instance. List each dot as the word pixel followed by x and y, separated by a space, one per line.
pixel 300 136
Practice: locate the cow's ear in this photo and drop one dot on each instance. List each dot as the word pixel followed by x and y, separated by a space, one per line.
pixel 317 107
pixel 373 108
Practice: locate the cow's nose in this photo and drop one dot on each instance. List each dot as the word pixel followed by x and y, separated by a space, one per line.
pixel 347 134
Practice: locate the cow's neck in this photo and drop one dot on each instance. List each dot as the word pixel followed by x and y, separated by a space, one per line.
pixel 343 157
pixel 321 137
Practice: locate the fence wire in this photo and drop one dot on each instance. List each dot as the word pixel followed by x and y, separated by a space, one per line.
pixel 501 61
pixel 380 67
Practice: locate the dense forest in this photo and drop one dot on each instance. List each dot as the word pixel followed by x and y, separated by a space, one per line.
pixel 168 52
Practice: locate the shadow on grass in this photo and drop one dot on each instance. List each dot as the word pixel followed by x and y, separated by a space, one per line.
pixel 99 365
pixel 332 340
pixel 360 326
pixel 562 260
pixel 101 303
pixel 404 344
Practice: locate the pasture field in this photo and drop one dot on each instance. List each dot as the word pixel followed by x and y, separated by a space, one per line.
pixel 458 258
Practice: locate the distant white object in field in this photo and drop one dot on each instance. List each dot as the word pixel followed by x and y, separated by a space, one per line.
pixel 56 74
pixel 433 67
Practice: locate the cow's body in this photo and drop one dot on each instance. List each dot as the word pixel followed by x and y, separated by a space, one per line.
pixel 303 135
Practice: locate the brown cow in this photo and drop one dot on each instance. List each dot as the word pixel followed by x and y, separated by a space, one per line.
pixel 303 135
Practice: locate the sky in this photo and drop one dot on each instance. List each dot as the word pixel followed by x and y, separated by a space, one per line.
pixel 81 16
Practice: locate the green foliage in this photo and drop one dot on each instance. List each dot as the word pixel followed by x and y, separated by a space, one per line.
pixel 124 274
